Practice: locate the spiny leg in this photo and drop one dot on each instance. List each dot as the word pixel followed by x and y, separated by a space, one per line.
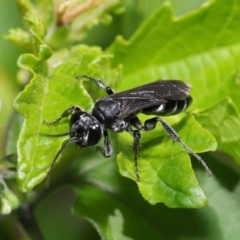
pixel 151 124
pixel 107 150
pixel 99 83
pixel 136 146
pixel 65 114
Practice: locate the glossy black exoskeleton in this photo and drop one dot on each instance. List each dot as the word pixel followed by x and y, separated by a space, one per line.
pixel 118 112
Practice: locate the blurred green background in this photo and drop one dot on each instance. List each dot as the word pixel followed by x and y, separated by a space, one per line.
pixel 9 18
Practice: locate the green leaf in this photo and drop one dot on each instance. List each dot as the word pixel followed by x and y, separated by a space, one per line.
pixel 220 217
pixel 103 206
pixel 46 97
pixel 20 38
pixel 202 48
pixel 111 216
pixel 223 121
pixel 36 27
pixel 165 169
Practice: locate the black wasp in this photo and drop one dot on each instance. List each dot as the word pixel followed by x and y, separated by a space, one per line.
pixel 118 112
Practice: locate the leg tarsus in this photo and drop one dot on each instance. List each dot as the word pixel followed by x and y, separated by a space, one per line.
pixel 65 114
pixel 107 144
pixel 101 149
pixel 99 83
pixel 136 146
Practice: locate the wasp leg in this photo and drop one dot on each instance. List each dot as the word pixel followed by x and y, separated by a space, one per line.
pixel 65 114
pixel 151 124
pixel 135 122
pixel 136 146
pixel 107 150
pixel 99 83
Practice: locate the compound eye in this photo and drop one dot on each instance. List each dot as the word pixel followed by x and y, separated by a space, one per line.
pixel 94 135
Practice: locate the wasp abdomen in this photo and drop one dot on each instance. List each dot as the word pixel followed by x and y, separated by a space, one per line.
pixel 170 107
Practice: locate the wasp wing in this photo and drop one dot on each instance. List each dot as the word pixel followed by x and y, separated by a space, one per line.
pixel 151 94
